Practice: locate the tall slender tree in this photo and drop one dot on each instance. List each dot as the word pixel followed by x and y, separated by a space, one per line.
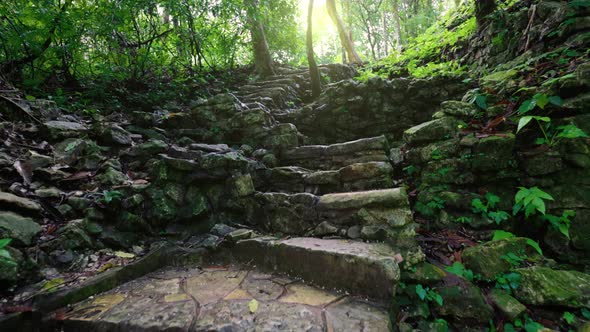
pixel 262 59
pixel 316 87
pixel 345 39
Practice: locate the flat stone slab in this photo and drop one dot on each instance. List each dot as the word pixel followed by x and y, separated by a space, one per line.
pixel 361 268
pixel 395 197
pixel 326 157
pixel 222 299
pixel 11 202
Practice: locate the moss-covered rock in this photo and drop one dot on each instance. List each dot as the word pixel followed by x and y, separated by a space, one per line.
pixel 508 305
pixel 545 286
pixel 423 273
pixel 486 259
pixel 9 272
pixel 19 228
pixel 112 177
pixel 459 109
pixel 493 153
pixel 464 302
pixel 431 131
pixel 71 236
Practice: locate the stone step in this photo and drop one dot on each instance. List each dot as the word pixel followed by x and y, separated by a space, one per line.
pixel 355 177
pixel 335 156
pixel 360 268
pixel 376 215
pixel 230 298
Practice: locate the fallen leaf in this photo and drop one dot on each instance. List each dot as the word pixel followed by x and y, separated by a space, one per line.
pixel 79 176
pixel 25 170
pixel 53 283
pixel 253 306
pixel 122 254
pixel 107 266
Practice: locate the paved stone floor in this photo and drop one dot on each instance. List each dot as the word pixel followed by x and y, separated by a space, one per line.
pixel 223 299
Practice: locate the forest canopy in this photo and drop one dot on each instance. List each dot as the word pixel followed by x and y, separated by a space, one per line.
pixel 64 42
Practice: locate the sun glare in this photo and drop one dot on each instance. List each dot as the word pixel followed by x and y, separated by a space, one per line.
pixel 325 35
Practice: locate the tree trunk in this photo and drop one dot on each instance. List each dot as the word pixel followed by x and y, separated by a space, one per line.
pixel 314 73
pixel 385 35
pixel 483 8
pixel 398 26
pixel 345 39
pixel 262 58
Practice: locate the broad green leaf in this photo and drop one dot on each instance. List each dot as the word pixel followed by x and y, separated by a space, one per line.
pixel 478 206
pixel 482 102
pixel 460 270
pixel 437 298
pixel 523 122
pixel 535 245
pixel 501 235
pixel 571 132
pixel 541 100
pixel 556 100
pixel 521 194
pixel 498 216
pixel 492 199
pixel 569 317
pixel 532 326
pixel 542 118
pixel 527 106
pixel 541 194
pixel 509 328
pixel 421 292
pixel 4 242
pixel 516 208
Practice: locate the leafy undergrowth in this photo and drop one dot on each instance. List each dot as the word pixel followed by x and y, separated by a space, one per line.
pixel 431 53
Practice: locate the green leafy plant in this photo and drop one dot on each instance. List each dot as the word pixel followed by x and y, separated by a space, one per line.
pixel 551 136
pixel 5 256
pixel 561 223
pixel 514 259
pixel 528 325
pixel 531 201
pixel 497 216
pixel 436 155
pixel 501 235
pixel 430 208
pixel 460 270
pixel 111 195
pixel 569 317
pixel 508 281
pixel 464 220
pixel 428 294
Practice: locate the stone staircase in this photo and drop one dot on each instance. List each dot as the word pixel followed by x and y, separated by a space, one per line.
pixel 328 231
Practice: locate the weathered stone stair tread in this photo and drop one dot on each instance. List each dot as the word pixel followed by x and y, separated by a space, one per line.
pixel 375 215
pixel 359 176
pixel 219 299
pixel 361 268
pixel 326 157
